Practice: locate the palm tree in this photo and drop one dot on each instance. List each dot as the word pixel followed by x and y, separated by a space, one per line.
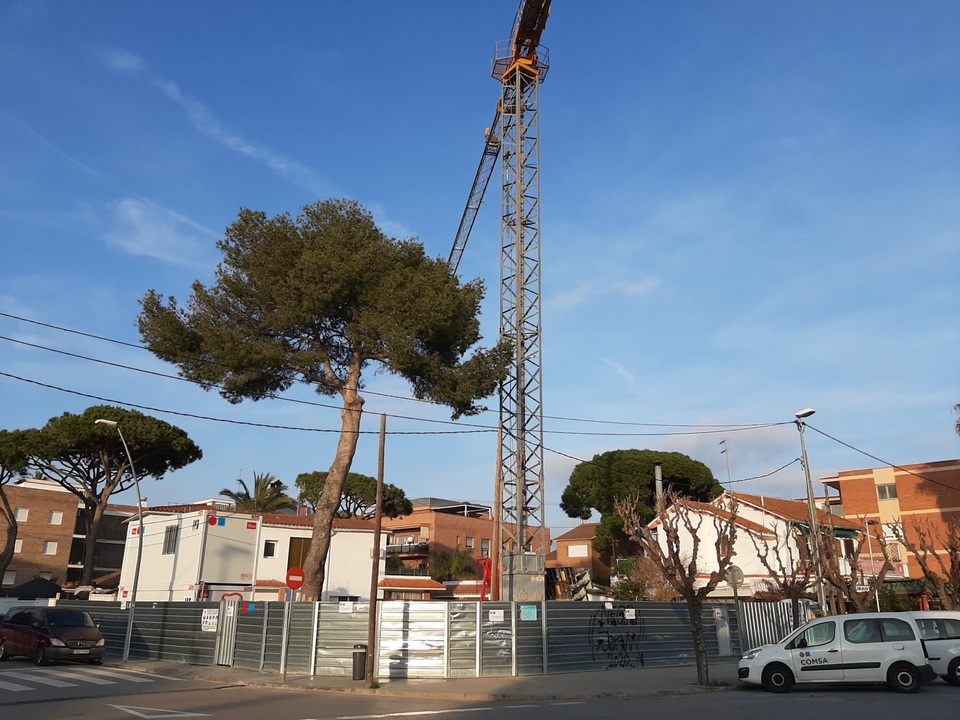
pixel 269 495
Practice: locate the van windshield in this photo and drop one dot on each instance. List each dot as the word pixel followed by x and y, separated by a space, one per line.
pixel 69 618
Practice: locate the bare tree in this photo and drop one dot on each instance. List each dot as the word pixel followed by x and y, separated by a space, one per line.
pixel 938 554
pixel 786 557
pixel 843 567
pixel 644 581
pixel 675 549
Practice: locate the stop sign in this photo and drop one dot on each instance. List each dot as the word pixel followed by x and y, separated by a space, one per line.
pixel 295 578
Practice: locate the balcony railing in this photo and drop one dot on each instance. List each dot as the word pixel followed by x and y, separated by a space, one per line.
pixel 421 548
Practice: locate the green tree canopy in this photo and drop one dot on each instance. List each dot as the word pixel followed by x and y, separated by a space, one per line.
pixel 89 459
pixel 597 484
pixel 269 495
pixel 358 498
pixel 318 299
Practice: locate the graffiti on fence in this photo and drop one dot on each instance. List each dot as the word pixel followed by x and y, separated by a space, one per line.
pixel 615 636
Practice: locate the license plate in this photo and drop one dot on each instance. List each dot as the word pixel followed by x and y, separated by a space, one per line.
pixel 81 652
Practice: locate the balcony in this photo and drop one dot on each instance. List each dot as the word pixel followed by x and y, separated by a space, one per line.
pixel 409 549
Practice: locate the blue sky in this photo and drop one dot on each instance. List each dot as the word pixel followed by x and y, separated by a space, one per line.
pixel 748 208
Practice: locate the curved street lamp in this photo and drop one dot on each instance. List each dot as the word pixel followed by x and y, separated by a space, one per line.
pixel 136 569
pixel 812 506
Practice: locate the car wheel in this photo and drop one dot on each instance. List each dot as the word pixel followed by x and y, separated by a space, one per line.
pixel 777 678
pixel 952 676
pixel 903 677
pixel 3 650
pixel 41 658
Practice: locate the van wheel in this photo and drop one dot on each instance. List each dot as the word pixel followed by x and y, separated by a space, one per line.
pixel 903 677
pixel 952 676
pixel 777 678
pixel 3 651
pixel 41 658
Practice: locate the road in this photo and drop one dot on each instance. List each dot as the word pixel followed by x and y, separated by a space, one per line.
pixel 82 691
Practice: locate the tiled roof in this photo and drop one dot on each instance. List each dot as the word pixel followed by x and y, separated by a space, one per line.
pixel 710 509
pixel 794 510
pixel 274 519
pixel 411 583
pixel 583 531
pixel 262 583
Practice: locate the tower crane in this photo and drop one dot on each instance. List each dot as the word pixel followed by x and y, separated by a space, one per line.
pixel 520 64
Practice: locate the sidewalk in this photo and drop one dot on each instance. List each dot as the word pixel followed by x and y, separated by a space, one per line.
pixel 631 682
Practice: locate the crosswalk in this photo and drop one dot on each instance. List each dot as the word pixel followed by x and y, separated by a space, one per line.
pixel 63 676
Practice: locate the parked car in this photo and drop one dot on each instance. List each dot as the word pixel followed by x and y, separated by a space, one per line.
pixel 47 634
pixel 940 632
pixel 856 648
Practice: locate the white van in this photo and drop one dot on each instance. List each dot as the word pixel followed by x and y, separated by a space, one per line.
pixel 940 632
pixel 856 648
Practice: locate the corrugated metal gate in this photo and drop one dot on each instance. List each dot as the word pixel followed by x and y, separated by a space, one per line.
pixel 762 623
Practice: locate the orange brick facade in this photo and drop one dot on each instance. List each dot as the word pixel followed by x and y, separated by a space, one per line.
pixel 51 537
pixel 925 493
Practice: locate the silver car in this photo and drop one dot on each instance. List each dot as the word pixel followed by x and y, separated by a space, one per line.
pixel 940 632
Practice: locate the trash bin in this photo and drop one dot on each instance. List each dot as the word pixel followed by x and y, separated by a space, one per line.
pixel 359 662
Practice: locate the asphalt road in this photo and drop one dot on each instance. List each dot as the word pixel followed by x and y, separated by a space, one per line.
pixel 65 691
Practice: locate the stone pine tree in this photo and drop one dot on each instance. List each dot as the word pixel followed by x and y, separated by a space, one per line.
pixel 13 466
pixel 358 497
pixel 320 299
pixel 89 459
pixel 676 547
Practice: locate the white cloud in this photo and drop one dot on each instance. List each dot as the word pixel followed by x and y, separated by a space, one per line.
pixel 580 295
pixel 123 62
pixel 621 371
pixel 204 121
pixel 141 228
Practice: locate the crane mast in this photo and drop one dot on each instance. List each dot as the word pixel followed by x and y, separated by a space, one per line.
pixel 520 64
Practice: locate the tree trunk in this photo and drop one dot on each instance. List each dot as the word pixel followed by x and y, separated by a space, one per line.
pixel 695 609
pixel 314 564
pixel 90 542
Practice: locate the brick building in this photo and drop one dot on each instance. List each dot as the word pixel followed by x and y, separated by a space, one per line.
pixel 575 550
pixel 51 535
pixel 926 493
pixel 435 526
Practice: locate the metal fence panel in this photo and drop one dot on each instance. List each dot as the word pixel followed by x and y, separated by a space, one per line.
pixel 762 623
pixel 529 643
pixel 170 631
pixel 496 628
pixel 337 633
pixel 412 639
pixel 462 644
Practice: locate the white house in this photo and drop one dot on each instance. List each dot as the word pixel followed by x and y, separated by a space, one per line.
pixel 210 551
pixel 774 525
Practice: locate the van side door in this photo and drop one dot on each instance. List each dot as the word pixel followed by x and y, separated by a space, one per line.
pixel 872 645
pixel 816 653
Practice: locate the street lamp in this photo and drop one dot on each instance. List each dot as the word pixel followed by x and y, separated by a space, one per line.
pixel 136 569
pixel 812 506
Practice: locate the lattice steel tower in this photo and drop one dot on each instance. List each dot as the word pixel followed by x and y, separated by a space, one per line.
pixel 521 65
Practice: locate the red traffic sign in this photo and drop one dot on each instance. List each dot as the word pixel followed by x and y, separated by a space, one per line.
pixel 295 578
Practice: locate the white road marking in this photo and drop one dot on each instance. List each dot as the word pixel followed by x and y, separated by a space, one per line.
pixel 80 675
pixel 128 675
pixel 37 678
pixel 415 713
pixel 156 713
pixel 13 687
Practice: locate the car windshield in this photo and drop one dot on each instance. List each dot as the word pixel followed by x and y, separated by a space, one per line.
pixel 69 618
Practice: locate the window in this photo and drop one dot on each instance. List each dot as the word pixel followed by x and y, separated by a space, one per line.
pixel 269 548
pixel 50 548
pixel 819 634
pixel 896 630
pixel 21 514
pixel 9 577
pixel 951 628
pixel 56 518
pixel 484 548
pixel 17 545
pixel 862 631
pixel 468 543
pixel 887 491
pixel 170 540
pixel 577 551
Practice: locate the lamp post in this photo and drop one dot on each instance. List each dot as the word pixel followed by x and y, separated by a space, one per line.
pixel 136 568
pixel 812 506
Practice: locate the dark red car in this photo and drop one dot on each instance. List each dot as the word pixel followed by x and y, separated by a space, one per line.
pixel 47 634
